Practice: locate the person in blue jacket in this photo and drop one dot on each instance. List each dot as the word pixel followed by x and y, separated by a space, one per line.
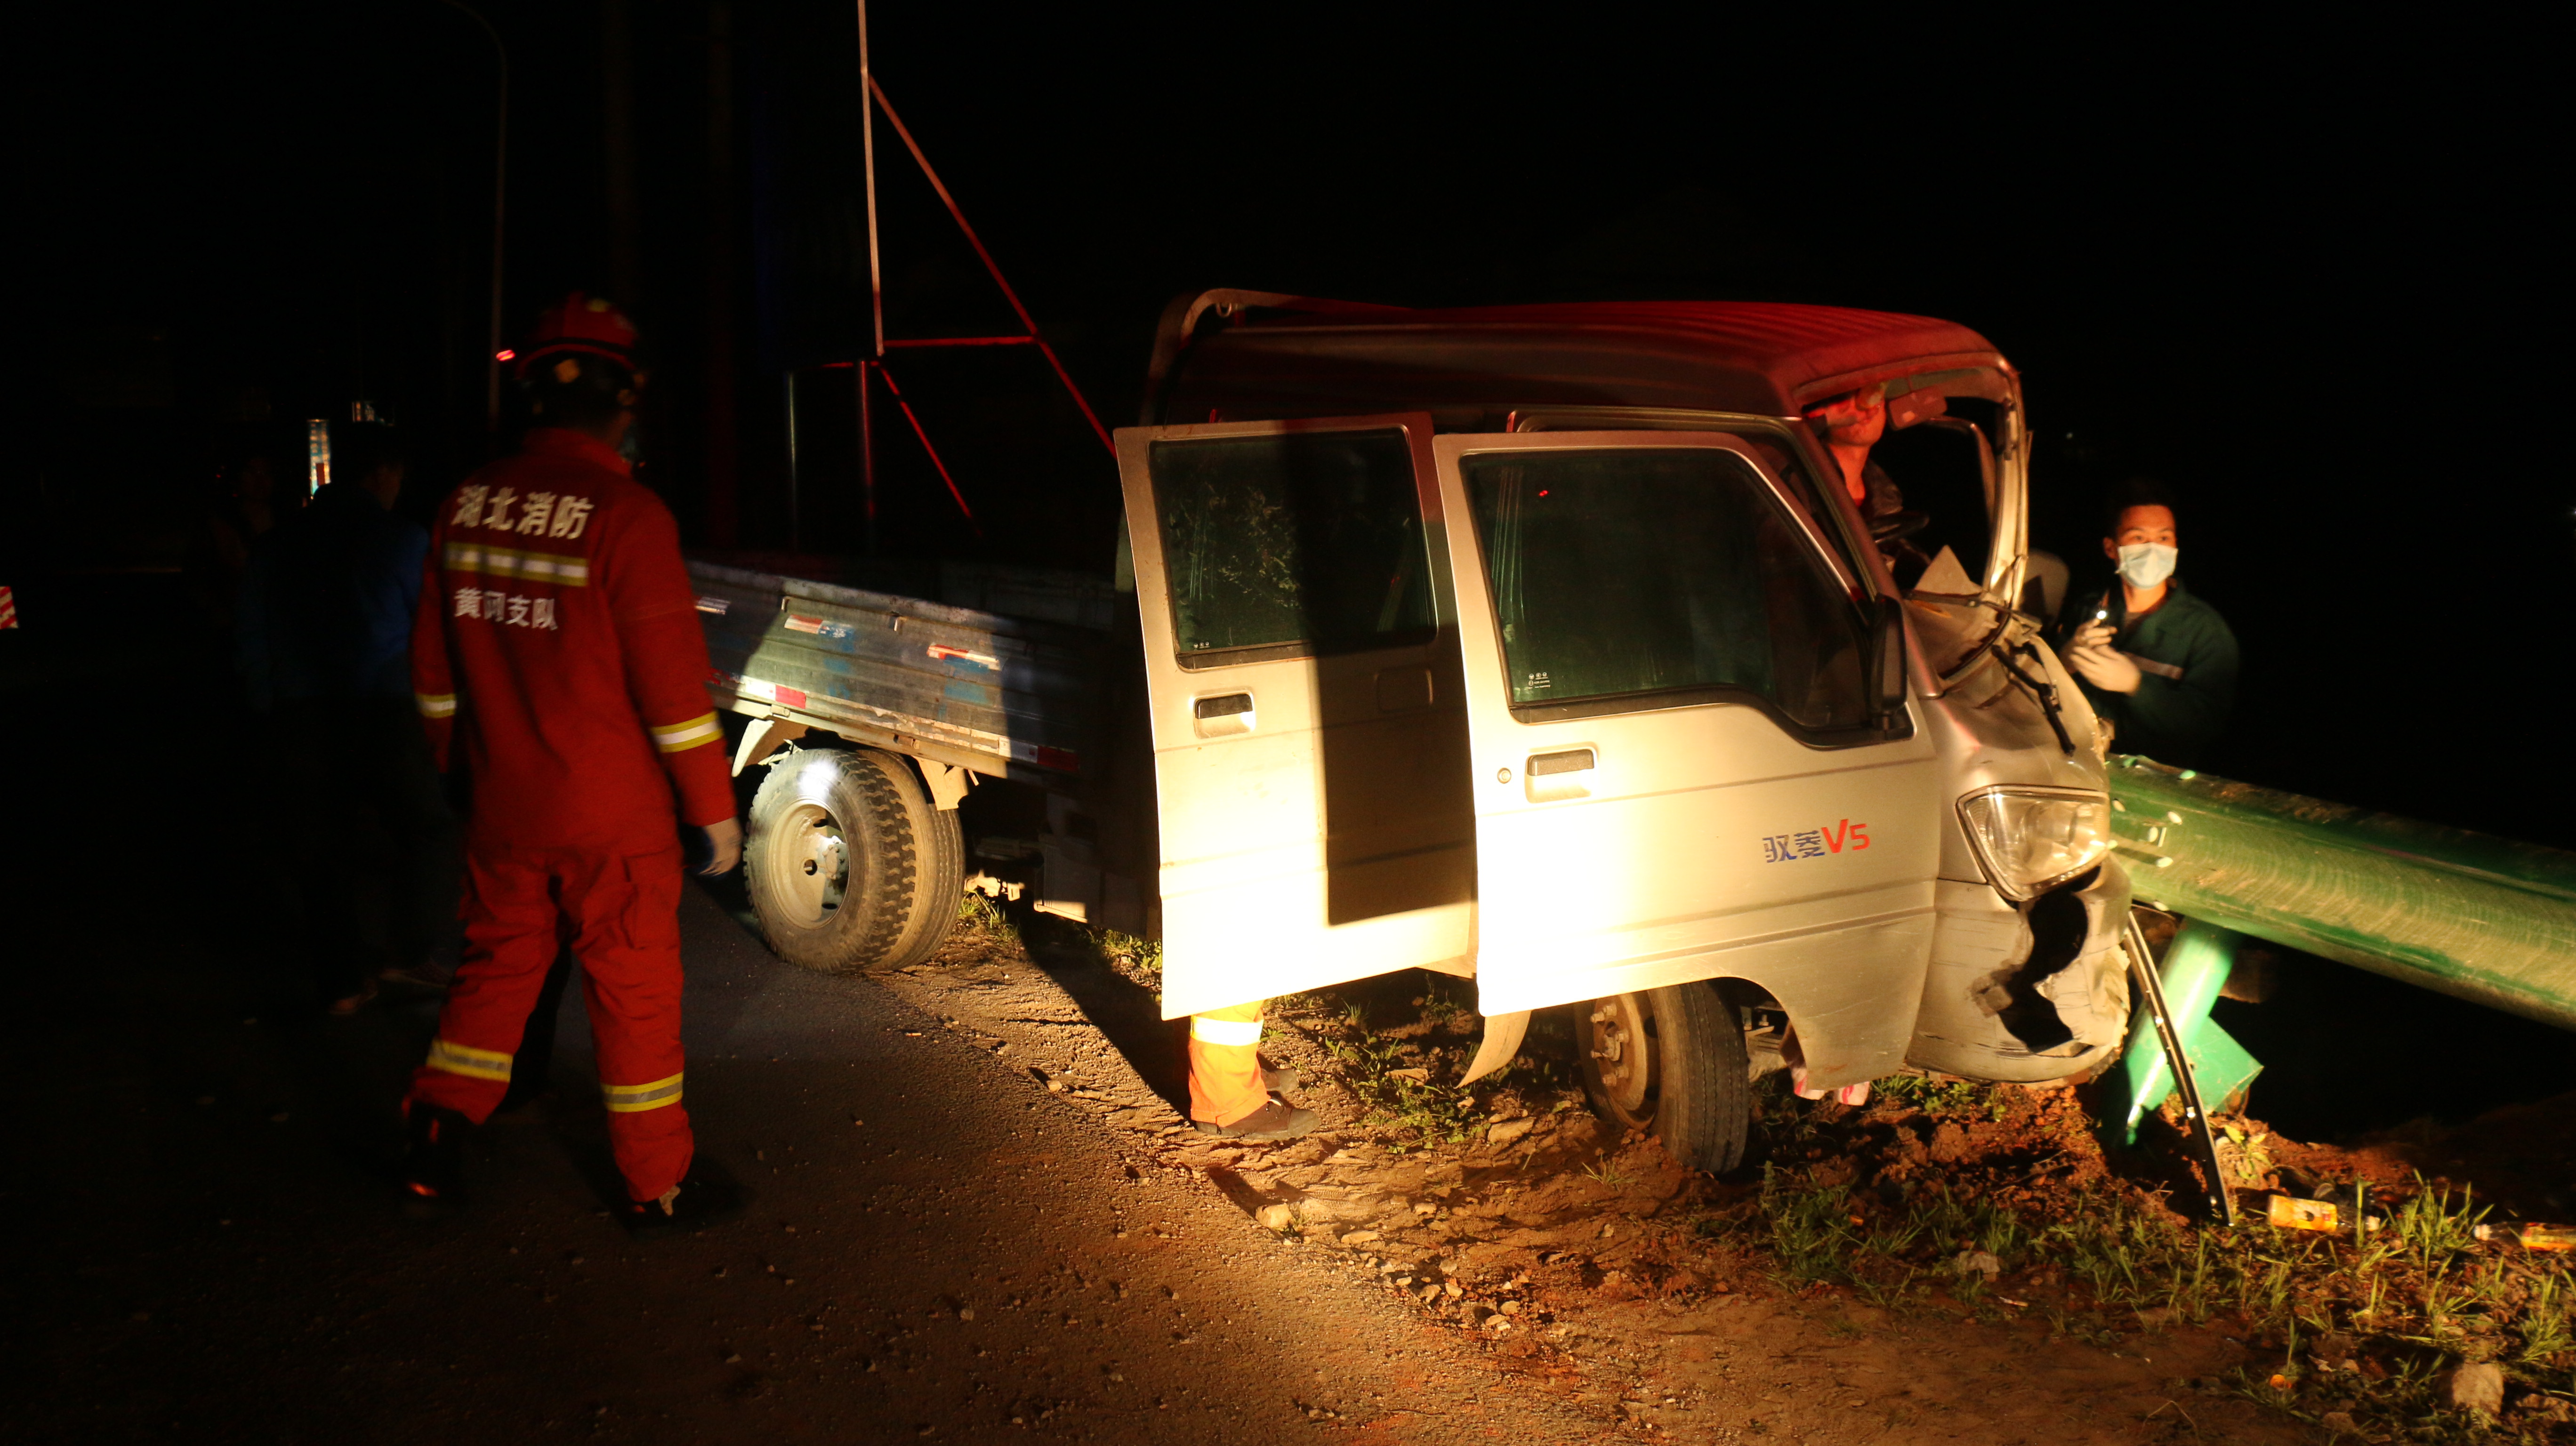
pixel 324 652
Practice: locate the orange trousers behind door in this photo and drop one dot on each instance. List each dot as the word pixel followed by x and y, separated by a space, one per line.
pixel 620 914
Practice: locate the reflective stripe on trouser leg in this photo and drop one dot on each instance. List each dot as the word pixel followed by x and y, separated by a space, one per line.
pixel 1225 1064
pixel 627 1099
pixel 465 1059
pixel 509 945
pixel 627 936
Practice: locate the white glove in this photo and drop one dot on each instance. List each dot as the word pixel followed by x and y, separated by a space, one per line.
pixel 2104 667
pixel 724 839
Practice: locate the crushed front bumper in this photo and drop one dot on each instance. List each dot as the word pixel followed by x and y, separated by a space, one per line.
pixel 2025 993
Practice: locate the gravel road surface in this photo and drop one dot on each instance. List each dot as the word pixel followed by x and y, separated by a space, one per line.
pixel 205 1244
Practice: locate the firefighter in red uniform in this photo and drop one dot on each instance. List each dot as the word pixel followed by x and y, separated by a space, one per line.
pixel 558 648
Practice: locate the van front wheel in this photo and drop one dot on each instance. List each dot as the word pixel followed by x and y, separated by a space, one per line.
pixel 1672 1061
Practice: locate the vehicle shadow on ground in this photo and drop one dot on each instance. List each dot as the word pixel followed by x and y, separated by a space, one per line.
pixel 1126 1009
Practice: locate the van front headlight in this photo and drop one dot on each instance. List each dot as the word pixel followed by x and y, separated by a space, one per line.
pixel 2032 839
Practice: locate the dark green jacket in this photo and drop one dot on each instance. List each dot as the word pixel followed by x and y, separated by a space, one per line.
pixel 2169 719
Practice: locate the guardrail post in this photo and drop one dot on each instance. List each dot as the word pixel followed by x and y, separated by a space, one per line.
pixel 2194 969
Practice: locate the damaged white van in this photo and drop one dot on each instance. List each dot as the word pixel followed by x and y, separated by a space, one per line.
pixel 1548 646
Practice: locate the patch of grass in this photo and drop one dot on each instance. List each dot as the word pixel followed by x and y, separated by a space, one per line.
pixel 2249 1154
pixel 1932 1094
pixel 1414 1111
pixel 2395 1312
pixel 1601 1172
pixel 1138 959
pixel 1381 1041
pixel 2544 1329
pixel 981 913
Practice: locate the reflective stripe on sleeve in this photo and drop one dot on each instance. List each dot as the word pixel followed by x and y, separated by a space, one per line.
pixel 627 1099
pixel 517 562
pixel 1224 1031
pixel 2150 665
pixel 468 1061
pixel 681 737
pixel 435 705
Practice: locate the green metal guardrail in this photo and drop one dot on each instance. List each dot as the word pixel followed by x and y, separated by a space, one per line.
pixel 2483 918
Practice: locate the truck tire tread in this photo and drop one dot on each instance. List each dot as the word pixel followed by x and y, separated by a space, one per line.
pixel 882 859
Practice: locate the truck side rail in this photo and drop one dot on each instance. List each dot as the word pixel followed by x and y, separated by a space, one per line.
pixel 1005 697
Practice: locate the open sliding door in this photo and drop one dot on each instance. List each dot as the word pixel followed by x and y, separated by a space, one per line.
pixel 1310 738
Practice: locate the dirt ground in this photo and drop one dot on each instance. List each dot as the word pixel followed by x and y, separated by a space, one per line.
pixel 1591 1261
pixel 979 1218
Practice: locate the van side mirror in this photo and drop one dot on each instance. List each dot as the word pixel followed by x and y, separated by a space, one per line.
pixel 1887 660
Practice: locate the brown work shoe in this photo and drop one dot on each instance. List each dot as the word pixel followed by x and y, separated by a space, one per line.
pixel 1275 1120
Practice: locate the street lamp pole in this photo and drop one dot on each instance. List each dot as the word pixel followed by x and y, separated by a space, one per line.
pixel 500 205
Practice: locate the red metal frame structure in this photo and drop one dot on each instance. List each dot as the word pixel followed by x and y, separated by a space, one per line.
pixel 873 366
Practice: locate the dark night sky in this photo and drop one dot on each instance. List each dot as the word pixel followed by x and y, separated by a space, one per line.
pixel 2298 274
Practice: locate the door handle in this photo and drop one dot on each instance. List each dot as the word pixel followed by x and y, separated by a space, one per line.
pixel 1222 716
pixel 1565 773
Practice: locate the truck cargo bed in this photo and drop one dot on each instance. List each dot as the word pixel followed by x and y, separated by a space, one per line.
pixel 1004 696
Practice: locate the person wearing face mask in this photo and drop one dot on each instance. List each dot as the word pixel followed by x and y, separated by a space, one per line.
pixel 2154 659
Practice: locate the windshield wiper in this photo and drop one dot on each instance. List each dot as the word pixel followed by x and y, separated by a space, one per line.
pixel 2040 688
pixel 2003 623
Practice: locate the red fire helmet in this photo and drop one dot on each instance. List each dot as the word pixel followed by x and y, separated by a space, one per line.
pixel 581 323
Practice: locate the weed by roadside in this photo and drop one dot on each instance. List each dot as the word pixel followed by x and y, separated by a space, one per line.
pixel 1401 1055
pixel 979 913
pixel 1139 960
pixel 2362 1337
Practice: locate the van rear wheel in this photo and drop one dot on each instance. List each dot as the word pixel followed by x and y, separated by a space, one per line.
pixel 1672 1061
pixel 849 865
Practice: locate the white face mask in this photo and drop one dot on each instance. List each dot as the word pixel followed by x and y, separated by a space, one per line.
pixel 2145 564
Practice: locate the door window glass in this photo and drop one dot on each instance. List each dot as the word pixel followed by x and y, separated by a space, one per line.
pixel 1296 542
pixel 1635 578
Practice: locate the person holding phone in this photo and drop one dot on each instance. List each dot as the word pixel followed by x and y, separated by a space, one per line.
pixel 2155 660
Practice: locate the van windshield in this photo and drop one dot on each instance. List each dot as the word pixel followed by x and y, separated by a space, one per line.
pixel 1633 578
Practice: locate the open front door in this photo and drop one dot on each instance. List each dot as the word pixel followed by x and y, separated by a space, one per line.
pixel 1682 769
pixel 1310 740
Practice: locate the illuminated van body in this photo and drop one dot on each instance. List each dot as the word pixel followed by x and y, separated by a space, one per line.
pixel 1541 645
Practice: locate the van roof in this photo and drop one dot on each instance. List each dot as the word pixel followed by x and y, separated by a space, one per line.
pixel 1242 355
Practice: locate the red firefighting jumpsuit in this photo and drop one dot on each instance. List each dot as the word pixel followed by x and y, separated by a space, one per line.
pixel 558 644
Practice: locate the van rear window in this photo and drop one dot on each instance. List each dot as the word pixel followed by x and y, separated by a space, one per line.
pixel 1301 542
pixel 1633 578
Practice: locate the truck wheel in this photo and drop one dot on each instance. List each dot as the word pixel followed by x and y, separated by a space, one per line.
pixel 940 863
pixel 835 859
pixel 1672 1061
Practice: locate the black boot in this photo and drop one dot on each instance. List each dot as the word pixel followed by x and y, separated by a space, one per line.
pixel 1276 1120
pixel 706 1196
pixel 434 1166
